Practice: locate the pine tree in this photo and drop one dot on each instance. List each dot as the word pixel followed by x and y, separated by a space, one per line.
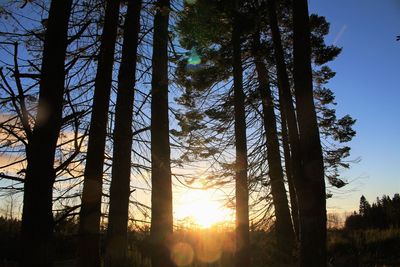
pixel 161 194
pixel 117 241
pixel 312 195
pixel 37 218
pixel 241 162
pixel 89 223
pixel 364 206
pixel 284 226
pixel 288 117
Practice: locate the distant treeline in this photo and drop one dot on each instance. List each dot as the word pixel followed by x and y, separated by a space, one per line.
pixel 382 214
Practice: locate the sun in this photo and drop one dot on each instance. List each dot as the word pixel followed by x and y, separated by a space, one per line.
pixel 201 207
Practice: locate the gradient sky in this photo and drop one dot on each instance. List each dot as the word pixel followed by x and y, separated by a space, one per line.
pixel 367 86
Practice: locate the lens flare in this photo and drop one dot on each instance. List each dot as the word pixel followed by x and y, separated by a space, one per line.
pixel 182 254
pixel 228 244
pixel 194 57
pixel 208 249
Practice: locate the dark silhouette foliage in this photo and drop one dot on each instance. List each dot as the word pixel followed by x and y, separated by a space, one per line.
pixel 383 214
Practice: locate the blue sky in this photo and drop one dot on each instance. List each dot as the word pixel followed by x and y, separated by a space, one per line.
pixel 367 86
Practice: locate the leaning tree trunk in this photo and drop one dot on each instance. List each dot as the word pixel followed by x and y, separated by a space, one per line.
pixel 283 224
pixel 89 224
pixel 288 116
pixel 313 205
pixel 242 191
pixel 161 193
pixel 37 217
pixel 117 242
pixel 289 175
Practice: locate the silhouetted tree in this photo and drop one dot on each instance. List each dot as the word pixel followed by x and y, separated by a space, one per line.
pixel 37 217
pixel 289 175
pixel 205 18
pixel 284 226
pixel 161 194
pixel 382 214
pixel 354 222
pixel 312 195
pixel 89 224
pixel 210 73
pixel 288 116
pixel 364 206
pixel 241 164
pixel 117 241
pixel 335 130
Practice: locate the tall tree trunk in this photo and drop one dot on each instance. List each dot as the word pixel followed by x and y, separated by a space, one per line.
pixel 37 217
pixel 283 224
pixel 161 193
pixel 89 225
pixel 289 176
pixel 243 257
pixel 288 115
pixel 117 242
pixel 313 218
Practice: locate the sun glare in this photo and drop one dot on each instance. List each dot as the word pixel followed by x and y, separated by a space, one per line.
pixel 202 208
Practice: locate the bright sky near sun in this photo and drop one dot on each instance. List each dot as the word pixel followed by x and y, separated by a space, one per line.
pixel 202 206
pixel 367 87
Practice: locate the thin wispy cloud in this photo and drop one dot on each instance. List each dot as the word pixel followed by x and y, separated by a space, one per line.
pixel 340 34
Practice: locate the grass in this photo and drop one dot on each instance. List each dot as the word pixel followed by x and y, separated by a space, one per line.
pixel 364 247
pixel 215 248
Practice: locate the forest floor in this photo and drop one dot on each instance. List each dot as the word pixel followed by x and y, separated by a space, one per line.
pixel 346 248
pixel 364 248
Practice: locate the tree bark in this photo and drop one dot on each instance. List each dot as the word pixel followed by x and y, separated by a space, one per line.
pixel 89 225
pixel 313 206
pixel 37 217
pixel 117 242
pixel 289 176
pixel 161 194
pixel 243 257
pixel 288 116
pixel 283 223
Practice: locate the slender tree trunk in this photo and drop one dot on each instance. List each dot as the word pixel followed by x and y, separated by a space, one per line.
pixel 89 225
pixel 289 176
pixel 37 217
pixel 288 116
pixel 117 242
pixel 283 224
pixel 161 194
pixel 313 219
pixel 310 195
pixel 243 257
